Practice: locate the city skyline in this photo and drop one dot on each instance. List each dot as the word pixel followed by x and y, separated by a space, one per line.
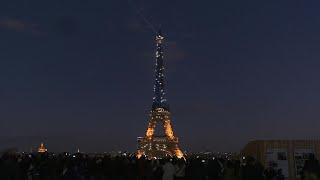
pixel 79 75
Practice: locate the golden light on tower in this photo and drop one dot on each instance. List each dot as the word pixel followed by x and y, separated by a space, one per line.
pixel 150 130
pixel 168 129
pixel 139 154
pixel 179 153
pixel 42 148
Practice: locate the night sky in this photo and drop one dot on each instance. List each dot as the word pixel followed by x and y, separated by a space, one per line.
pixel 79 73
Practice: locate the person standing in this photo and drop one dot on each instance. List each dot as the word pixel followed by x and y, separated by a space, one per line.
pixel 168 171
pixel 180 170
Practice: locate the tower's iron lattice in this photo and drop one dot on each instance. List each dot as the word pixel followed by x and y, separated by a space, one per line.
pixel 152 145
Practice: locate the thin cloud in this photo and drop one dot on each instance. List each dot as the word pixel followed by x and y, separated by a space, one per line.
pixel 135 25
pixel 18 25
pixel 175 52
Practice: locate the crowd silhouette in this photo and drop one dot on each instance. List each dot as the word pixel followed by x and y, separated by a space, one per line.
pixel 16 166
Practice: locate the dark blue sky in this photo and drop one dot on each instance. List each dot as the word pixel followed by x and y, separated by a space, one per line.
pixel 79 73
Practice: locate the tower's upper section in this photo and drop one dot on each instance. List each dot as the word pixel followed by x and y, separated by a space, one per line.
pixel 159 100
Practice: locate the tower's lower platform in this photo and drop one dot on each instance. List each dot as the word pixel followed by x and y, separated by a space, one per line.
pixel 158 147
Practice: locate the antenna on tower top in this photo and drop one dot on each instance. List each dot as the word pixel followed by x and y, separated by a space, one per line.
pixel 139 12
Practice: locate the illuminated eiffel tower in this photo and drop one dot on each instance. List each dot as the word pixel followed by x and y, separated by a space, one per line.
pixel 42 148
pixel 152 145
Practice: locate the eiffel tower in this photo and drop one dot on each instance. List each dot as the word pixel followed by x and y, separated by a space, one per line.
pixel 165 145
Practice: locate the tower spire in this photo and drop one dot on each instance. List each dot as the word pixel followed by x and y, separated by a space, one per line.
pixel 159 100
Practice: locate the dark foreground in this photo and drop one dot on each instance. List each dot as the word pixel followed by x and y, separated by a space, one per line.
pixel 15 166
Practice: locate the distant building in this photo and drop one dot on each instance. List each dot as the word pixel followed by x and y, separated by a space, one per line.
pixel 288 155
pixel 42 148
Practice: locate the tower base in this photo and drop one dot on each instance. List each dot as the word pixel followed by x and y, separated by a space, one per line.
pixel 158 147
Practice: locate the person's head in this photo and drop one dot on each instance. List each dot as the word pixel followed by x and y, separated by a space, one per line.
pixel 311 156
pixel 229 164
pixel 180 162
pixel 250 160
pixel 162 161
